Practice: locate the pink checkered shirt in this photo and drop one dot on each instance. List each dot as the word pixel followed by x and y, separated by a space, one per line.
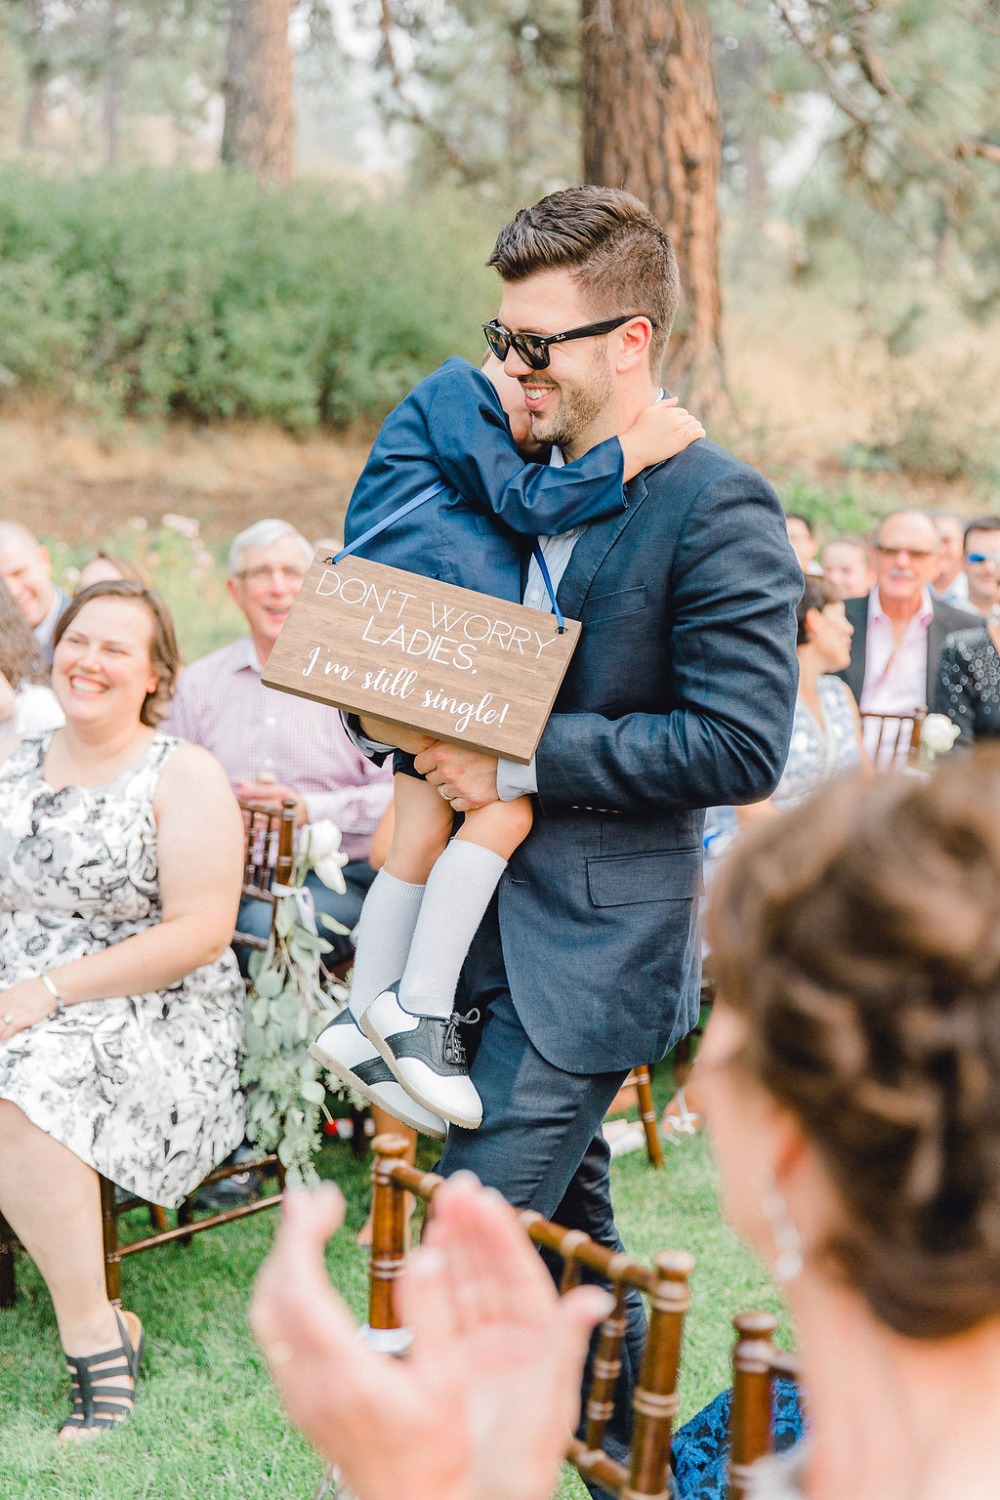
pixel 222 704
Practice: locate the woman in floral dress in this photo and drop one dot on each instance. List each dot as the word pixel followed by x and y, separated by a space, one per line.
pixel 120 1002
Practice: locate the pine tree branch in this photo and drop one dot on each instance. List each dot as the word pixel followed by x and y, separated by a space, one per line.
pixel 416 114
pixel 987 150
pixel 817 51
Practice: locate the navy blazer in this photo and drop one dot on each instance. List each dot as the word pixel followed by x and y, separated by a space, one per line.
pixel 452 427
pixel 946 618
pixel 680 696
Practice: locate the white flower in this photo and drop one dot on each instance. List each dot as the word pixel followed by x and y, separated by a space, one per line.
pixel 325 854
pixel 937 735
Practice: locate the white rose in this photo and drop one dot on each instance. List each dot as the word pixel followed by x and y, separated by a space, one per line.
pixel 938 734
pixel 325 854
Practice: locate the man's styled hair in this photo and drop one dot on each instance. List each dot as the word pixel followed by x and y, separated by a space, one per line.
pixel 621 258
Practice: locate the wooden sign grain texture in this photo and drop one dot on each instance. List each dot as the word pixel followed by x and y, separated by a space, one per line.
pixel 449 662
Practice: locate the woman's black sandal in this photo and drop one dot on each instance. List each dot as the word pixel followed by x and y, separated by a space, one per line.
pixel 98 1406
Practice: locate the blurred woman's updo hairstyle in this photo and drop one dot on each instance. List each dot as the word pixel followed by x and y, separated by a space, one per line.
pixel 859 936
pixel 164 656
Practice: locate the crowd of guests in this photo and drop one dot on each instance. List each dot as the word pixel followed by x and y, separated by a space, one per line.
pixel 922 594
pixel 857 1012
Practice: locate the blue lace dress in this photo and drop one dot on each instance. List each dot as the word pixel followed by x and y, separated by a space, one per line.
pixel 819 751
pixel 701 1449
pixel 144 1088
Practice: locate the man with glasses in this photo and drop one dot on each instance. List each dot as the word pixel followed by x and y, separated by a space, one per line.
pixel 982 563
pixel 900 627
pixel 680 696
pixel 274 745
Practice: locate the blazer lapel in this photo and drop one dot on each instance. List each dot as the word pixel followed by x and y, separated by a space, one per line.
pixel 592 548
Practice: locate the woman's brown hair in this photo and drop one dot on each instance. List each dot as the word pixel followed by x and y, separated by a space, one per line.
pixel 817 593
pixel 859 935
pixel 164 656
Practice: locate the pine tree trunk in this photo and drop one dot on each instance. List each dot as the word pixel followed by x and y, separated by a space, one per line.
pixel 651 124
pixel 258 135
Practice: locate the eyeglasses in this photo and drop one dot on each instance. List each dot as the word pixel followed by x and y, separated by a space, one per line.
pixel 533 348
pixel 265 571
pixel 981 557
pixel 917 554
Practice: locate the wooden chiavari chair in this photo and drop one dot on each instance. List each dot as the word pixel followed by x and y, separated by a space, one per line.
pixel 756 1365
pixel 664 1285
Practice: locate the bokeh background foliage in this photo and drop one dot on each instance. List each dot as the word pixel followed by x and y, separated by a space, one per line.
pixel 163 294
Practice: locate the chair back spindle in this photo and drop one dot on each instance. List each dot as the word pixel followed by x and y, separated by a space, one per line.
pixel 665 1286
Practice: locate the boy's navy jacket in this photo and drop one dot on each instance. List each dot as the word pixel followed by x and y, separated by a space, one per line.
pixel 452 427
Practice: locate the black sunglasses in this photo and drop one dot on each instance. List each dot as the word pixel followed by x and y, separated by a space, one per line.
pixel 533 348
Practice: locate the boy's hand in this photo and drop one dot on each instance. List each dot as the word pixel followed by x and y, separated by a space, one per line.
pixel 662 430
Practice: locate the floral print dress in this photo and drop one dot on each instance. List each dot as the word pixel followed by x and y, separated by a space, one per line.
pixel 144 1088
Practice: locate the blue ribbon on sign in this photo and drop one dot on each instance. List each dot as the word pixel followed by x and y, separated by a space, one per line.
pixel 428 494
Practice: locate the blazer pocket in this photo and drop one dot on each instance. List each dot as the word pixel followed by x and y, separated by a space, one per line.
pixel 622 880
pixel 613 606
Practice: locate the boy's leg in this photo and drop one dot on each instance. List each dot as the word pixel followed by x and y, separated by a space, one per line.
pixel 422 824
pixel 459 889
pixel 415 1030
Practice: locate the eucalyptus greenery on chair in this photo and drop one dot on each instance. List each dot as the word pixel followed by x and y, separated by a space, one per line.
pixel 286 1007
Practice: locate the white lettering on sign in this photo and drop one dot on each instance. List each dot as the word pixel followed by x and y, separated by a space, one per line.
pixel 365 637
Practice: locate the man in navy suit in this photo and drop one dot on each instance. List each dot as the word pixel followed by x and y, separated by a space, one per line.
pixel 680 696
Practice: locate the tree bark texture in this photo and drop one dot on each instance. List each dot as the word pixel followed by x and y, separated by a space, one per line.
pixel 258 135
pixel 651 124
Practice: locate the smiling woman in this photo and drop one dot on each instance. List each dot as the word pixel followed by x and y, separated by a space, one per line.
pixel 120 1016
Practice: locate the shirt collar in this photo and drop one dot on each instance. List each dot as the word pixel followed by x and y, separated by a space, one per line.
pixel 923 616
pixel 245 656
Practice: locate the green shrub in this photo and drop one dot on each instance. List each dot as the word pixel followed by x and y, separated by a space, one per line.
pixel 158 294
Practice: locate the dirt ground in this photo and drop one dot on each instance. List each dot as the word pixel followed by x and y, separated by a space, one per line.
pixel 68 477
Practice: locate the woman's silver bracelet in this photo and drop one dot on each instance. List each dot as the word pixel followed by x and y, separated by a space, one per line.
pixel 49 983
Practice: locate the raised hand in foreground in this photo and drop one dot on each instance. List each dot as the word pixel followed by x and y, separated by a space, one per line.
pixel 482 1407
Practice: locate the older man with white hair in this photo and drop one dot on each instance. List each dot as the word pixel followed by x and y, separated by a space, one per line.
pixel 274 745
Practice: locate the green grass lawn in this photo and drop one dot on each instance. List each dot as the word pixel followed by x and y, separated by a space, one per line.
pixel 207 1425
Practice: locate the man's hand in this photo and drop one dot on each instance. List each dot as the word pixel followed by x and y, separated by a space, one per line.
pixel 482 1407
pixel 272 794
pixel 468 778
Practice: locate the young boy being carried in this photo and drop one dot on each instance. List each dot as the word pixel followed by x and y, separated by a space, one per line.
pixel 468 428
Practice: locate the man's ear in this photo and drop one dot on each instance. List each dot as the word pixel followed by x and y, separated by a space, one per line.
pixel 634 338
pixel 231 586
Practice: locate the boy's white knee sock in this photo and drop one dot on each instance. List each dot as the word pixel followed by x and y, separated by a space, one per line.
pixel 457 894
pixel 382 939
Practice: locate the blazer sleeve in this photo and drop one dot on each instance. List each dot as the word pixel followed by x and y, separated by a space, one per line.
pixel 475 453
pixel 732 596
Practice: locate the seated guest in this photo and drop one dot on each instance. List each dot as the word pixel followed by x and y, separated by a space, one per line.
pixel 104 565
pixel 900 628
pixel 274 745
pixel 121 1003
pixel 26 569
pixel 803 540
pixel 826 736
pixel 949 582
pixel 852 1082
pixel 982 564
pixel 968 688
pixel 847 562
pixel 26 703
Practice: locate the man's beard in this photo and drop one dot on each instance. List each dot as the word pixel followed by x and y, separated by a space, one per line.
pixel 579 406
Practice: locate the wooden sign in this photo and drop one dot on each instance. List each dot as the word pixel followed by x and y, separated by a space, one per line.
pixel 446 661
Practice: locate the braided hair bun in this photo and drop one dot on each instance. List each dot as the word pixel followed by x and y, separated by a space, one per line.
pixel 859 935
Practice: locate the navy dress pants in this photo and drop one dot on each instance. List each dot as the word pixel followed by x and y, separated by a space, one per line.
pixel 540 1143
